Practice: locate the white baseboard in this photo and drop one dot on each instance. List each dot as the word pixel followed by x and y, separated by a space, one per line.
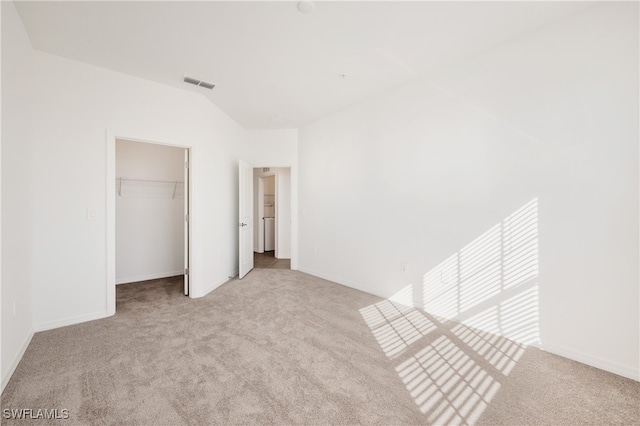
pixel 631 372
pixel 147 277
pixel 70 321
pixel 627 371
pixel 340 281
pixel 16 360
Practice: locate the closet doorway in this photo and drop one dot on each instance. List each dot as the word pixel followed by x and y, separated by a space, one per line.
pixel 272 217
pixel 152 214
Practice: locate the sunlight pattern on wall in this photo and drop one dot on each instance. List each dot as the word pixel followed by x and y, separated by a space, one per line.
pixel 481 312
pixel 515 317
pixel 490 283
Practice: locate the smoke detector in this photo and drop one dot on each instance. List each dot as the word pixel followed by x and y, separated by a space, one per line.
pixel 197 82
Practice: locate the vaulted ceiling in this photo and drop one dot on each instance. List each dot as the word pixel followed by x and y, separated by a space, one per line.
pixel 274 66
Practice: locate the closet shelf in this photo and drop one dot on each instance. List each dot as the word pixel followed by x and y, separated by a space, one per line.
pixel 121 179
pixel 147 188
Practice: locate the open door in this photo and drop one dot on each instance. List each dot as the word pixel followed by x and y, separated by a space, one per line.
pixel 186 222
pixel 245 218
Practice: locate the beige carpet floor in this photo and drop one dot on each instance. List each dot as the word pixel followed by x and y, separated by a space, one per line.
pixel 281 347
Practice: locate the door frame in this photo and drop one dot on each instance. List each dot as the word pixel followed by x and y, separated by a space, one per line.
pixel 246 212
pixel 111 136
pixel 295 214
pixel 261 209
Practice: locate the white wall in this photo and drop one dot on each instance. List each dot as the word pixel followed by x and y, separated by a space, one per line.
pixel 284 213
pixel 150 212
pixel 284 209
pixel 531 147
pixel 17 213
pixel 271 147
pixel 74 107
pixel 270 186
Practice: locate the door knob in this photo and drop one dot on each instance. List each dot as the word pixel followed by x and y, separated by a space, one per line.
pixel 242 224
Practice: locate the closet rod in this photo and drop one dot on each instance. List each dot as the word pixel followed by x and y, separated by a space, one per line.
pixel 149 181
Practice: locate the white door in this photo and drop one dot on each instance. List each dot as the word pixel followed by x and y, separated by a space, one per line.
pixel 245 218
pixel 186 222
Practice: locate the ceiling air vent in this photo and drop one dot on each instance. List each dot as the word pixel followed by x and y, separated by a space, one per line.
pixel 197 82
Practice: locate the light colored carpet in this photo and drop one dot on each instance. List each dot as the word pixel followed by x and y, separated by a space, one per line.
pixel 282 347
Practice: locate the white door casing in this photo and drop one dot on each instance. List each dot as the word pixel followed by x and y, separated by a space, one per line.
pixel 259 228
pixel 245 218
pixel 186 222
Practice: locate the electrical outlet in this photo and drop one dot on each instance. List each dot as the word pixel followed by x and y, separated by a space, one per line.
pixel 405 268
pixel 315 250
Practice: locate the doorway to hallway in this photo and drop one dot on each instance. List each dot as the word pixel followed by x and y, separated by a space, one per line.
pixel 265 218
pixel 267 260
pixel 272 217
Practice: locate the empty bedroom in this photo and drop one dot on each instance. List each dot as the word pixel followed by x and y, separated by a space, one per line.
pixel 320 212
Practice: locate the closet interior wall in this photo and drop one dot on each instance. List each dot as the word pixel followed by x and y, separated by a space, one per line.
pixel 149 211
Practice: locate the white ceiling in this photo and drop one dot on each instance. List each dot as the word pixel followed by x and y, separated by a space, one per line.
pixel 276 67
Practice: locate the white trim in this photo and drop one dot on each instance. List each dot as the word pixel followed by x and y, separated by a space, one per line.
pixel 628 371
pixel 50 325
pixel 16 360
pixel 147 277
pixel 295 214
pixel 258 220
pixel 340 281
pixel 276 215
pixel 110 225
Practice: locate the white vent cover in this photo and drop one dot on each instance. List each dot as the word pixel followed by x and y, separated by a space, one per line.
pixel 197 82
